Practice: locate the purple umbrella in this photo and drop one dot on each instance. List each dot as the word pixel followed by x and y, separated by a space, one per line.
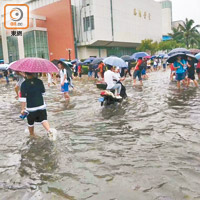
pixel 34 65
pixel 137 55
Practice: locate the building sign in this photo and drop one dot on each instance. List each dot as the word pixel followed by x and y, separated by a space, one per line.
pixel 16 16
pixel 142 14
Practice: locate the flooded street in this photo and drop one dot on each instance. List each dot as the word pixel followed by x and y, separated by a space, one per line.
pixel 148 148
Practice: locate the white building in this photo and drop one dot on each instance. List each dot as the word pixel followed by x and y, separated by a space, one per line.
pixel 115 27
pixel 166 17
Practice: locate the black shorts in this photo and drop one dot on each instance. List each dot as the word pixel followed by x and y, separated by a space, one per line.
pixel 198 70
pixel 191 76
pixel 36 116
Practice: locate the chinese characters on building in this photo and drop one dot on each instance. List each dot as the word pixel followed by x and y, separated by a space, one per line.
pixel 16 33
pixel 142 14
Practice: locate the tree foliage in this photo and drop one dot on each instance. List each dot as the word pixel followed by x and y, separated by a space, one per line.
pixel 148 45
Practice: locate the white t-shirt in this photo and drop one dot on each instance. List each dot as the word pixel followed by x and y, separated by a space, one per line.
pixel 149 63
pixel 108 78
pixel 63 72
pixel 49 78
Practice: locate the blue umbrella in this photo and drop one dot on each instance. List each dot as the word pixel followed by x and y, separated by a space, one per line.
pixel 97 61
pixel 178 50
pixel 197 56
pixel 137 55
pixel 74 61
pixel 115 61
pixel 62 59
pixel 87 61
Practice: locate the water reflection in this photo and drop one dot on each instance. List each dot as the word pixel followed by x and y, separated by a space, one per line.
pixel 38 160
pixel 146 148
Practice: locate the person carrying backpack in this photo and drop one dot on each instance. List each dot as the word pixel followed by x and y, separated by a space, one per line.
pixel 138 71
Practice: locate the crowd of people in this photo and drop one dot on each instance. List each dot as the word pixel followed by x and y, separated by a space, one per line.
pixel 29 89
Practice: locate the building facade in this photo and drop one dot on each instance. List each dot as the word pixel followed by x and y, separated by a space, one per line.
pixel 50 34
pixel 166 17
pixel 83 28
pixel 110 27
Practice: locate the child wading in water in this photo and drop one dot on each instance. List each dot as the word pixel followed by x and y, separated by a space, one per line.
pixel 63 81
pixel 32 90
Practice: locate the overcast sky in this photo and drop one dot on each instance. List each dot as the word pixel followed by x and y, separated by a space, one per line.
pixel 182 9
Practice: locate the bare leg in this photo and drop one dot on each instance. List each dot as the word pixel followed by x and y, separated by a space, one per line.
pixel 45 124
pixel 17 91
pixel 196 84
pixel 134 82
pixel 188 82
pixel 178 84
pixel 141 83
pixel 31 131
pixel 66 95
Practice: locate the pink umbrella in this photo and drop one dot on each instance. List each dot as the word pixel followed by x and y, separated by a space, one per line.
pixel 147 57
pixel 34 65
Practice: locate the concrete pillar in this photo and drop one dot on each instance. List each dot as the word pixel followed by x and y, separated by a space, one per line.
pixel 4 38
pixel 21 46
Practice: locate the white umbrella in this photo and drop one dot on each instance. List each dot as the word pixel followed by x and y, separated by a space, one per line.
pixel 4 66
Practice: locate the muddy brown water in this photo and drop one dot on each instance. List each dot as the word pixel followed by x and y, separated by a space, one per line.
pixel 147 148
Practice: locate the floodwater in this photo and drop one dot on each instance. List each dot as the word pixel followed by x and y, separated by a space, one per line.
pixel 148 148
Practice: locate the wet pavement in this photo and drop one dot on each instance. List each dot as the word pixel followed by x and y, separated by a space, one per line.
pixel 147 148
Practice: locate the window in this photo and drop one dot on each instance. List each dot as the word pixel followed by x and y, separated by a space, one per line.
pixel 88 23
pixel 13 52
pixel 36 41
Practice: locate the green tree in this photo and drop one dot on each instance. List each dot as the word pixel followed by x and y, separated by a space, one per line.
pixel 169 45
pixel 176 35
pixel 148 45
pixel 189 33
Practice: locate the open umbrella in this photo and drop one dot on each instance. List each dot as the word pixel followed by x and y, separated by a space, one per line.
pixel 194 51
pixel 96 61
pixel 191 56
pixel 4 66
pixel 74 61
pixel 147 57
pixel 126 58
pixel 172 58
pixel 197 56
pixel 34 65
pixel 137 55
pixel 66 65
pixel 178 50
pixel 115 61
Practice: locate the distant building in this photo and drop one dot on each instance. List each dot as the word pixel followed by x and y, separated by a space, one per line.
pixel 84 28
pixel 49 36
pixel 166 17
pixel 175 24
pixel 114 27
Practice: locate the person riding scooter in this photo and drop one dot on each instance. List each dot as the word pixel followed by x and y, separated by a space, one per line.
pixel 110 78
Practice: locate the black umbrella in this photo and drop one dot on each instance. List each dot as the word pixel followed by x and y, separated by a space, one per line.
pixel 96 61
pixel 178 50
pixel 66 66
pixel 191 56
pixel 173 58
pixel 126 58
